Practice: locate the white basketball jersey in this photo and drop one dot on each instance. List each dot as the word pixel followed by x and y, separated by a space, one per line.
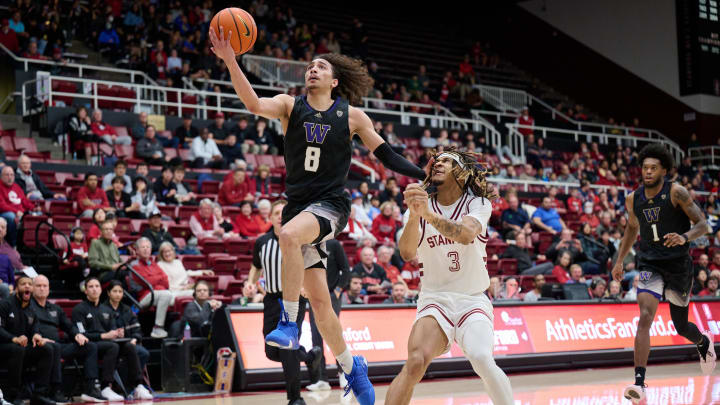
pixel 449 266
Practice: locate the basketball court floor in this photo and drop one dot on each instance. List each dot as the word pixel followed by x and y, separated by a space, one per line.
pixel 677 383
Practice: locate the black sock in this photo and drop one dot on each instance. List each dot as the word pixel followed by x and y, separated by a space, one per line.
pixel 640 376
pixel 703 346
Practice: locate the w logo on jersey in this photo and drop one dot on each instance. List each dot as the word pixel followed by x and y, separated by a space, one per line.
pixel 315 132
pixel 652 214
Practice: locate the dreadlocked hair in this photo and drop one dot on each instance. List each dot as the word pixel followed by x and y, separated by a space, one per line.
pixel 354 81
pixel 473 177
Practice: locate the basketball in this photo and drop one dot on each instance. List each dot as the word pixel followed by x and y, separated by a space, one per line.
pixel 242 25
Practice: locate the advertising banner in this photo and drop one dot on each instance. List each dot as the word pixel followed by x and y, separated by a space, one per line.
pixel 381 334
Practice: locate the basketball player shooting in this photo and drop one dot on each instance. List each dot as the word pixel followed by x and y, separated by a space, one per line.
pixel 447 231
pixel 662 211
pixel 317 133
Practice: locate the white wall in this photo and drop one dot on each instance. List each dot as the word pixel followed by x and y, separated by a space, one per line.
pixel 638 35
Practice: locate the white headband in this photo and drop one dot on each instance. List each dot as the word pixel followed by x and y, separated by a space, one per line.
pixel 454 157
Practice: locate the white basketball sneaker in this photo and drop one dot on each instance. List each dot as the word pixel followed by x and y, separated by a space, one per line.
pixel 635 393
pixel 707 365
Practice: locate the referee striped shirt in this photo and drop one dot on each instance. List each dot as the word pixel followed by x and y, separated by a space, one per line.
pixel 267 257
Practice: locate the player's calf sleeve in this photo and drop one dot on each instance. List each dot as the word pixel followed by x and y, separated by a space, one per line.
pixel 478 345
pixel 684 328
pixel 397 163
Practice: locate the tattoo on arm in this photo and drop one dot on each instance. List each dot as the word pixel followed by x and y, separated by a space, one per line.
pixel 683 199
pixel 457 231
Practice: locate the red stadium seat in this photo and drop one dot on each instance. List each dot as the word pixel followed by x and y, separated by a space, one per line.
pixel 124 227
pixel 106 91
pixel 234 287
pixel 210 187
pixel 224 265
pixel 508 266
pixel 251 161
pixel 279 161
pixel 376 298
pixel 186 211
pixel 121 131
pixel 194 262
pixel 61 208
pixel 266 160
pixel 180 231
pixel 64 223
pixel 238 246
pixel 181 303
pixel 124 92
pixel 493 267
pixel 212 246
pixel 168 210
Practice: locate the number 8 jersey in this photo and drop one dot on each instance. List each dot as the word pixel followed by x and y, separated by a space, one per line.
pixel 449 266
pixel 318 150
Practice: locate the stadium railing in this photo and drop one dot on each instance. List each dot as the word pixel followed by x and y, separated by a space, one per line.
pixel 511 101
pixel 564 187
pixel 275 71
pixel 601 138
pixel 480 114
pixel 707 156
pixel 82 69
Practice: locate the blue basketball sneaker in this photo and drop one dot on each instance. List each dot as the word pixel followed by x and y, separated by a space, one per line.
pixel 285 336
pixel 358 382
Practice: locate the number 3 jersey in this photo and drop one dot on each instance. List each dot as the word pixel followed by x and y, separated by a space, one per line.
pixel 449 266
pixel 318 150
pixel 657 217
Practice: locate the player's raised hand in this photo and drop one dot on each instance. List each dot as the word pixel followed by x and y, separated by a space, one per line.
pixel 416 198
pixel 618 272
pixel 674 239
pixel 221 47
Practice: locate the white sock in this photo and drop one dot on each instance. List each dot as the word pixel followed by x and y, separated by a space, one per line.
pixel 291 307
pixel 346 361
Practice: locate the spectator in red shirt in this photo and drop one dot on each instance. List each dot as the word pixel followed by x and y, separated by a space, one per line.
pixel 236 189
pixel 589 216
pixel 715 265
pixel 106 132
pixel 32 52
pixel 465 67
pixel 204 225
pixel 555 203
pixel 575 202
pixel 712 288
pixel 562 266
pixel 525 119
pixel 91 197
pixel 98 217
pixel 411 274
pixel 13 203
pixel 161 296
pixel 384 225
pixel 248 224
pixel 9 38
pixel 384 254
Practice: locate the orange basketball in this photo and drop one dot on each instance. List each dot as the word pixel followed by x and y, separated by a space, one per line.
pixel 242 25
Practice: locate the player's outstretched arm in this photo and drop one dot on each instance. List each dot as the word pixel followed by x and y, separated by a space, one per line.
pixel 277 107
pixel 681 197
pixel 361 125
pixel 628 240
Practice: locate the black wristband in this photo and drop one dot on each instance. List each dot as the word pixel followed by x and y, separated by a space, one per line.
pixel 686 238
pixel 398 163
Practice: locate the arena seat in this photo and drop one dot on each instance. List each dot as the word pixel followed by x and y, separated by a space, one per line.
pixel 179 231
pixel 124 92
pixel 376 298
pixel 64 223
pixel 61 208
pixel 168 210
pixel 239 246
pixel 186 211
pixel 508 266
pixel 234 287
pixel 210 187
pixel 194 262
pixel 211 246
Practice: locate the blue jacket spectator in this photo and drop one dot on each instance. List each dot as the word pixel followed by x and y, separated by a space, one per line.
pixel 109 36
pixel 7 277
pixel 515 218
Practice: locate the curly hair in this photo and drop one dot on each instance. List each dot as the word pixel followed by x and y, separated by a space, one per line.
pixel 657 151
pixel 354 81
pixel 472 177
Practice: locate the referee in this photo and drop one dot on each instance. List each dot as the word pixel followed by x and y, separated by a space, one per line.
pixel 267 258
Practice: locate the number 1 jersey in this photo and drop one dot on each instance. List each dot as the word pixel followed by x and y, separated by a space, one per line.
pixel 318 150
pixel 449 266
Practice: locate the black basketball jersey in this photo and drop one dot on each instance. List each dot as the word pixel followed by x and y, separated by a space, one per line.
pixel 317 151
pixel 657 217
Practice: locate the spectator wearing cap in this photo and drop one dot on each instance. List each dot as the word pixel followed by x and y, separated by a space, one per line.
pixel 13 203
pixel 144 197
pixel 527 120
pixel 119 170
pixel 236 188
pixel 8 37
pixel 120 200
pixel 361 215
pixel 547 218
pixel 205 153
pixel 106 132
pixel 164 187
pixel 150 149
pixel 186 132
pixel 184 194
pixel 217 129
pixel 91 197
pixel 31 184
pixel 156 232
pixel 247 223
